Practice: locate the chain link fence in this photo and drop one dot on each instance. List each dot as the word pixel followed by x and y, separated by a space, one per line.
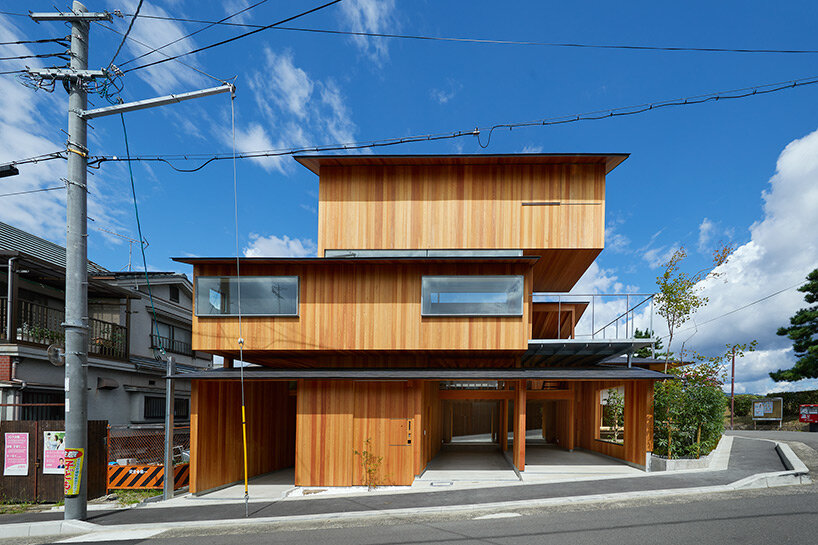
pixel 145 445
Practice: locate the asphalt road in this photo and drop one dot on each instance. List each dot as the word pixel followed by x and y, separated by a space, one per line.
pixel 772 516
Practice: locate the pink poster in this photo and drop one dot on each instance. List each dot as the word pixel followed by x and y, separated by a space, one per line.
pixel 16 454
pixel 54 452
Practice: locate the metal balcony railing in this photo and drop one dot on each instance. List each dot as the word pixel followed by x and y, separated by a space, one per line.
pixel 171 345
pixel 606 316
pixel 42 325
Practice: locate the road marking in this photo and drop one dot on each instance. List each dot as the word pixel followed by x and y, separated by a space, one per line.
pixel 115 535
pixel 498 516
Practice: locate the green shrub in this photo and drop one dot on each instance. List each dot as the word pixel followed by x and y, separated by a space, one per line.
pixel 688 412
pixel 743 404
pixel 792 400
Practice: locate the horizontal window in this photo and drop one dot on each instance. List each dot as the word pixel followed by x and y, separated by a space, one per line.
pixel 472 296
pixel 260 295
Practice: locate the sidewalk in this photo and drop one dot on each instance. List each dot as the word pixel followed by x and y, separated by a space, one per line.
pixel 752 463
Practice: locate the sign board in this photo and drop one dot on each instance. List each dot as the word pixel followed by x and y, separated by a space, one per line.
pixel 771 408
pixel 15 457
pixel 808 413
pixel 74 458
pixel 54 452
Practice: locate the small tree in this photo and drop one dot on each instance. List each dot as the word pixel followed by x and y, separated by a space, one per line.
pixel 370 465
pixel 615 405
pixel 646 352
pixel 803 332
pixel 678 297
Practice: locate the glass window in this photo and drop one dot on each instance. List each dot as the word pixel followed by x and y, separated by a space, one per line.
pixel 260 295
pixel 472 296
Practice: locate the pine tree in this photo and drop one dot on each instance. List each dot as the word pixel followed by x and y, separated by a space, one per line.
pixel 803 332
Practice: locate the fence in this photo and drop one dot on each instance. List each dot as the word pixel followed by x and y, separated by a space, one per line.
pixel 136 455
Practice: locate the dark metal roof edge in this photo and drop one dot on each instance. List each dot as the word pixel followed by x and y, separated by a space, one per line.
pixel 613 372
pixel 324 260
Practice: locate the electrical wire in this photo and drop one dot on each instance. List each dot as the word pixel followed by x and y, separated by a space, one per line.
pixel 60 41
pixel 248 8
pixel 490 41
pixel 62 56
pixel 589 116
pixel 720 316
pixel 141 238
pixel 31 191
pixel 143 44
pixel 125 36
pixel 234 38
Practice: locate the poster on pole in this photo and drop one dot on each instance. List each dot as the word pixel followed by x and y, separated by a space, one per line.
pixel 15 457
pixel 73 470
pixel 54 452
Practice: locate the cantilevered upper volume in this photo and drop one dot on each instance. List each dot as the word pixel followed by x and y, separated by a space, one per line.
pixel 549 205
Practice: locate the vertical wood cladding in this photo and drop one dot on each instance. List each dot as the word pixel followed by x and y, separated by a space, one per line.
pixel 216 432
pixel 461 206
pixel 364 307
pixel 335 418
pixel 638 434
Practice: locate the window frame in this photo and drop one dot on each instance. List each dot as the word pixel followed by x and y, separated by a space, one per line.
pixel 245 314
pixel 514 314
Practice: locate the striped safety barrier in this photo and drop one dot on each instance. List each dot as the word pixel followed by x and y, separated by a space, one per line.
pixel 145 477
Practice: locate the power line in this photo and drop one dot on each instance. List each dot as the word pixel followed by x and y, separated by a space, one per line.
pixel 143 44
pixel 210 25
pixel 62 56
pixel 31 191
pixel 736 310
pixel 60 41
pixel 125 36
pixel 588 116
pixel 489 41
pixel 234 38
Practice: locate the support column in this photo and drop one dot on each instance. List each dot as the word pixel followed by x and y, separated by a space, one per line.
pixel 504 424
pixel 519 426
pixel 571 414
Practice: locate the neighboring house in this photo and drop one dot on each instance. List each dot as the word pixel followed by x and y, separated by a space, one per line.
pixel 437 298
pixel 125 379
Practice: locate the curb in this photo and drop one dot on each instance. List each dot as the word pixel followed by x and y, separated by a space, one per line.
pixel 796 473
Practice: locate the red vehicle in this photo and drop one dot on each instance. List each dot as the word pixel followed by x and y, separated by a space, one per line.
pixel 809 413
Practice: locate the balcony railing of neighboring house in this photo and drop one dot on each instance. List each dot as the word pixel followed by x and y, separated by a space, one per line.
pixel 39 324
pixel 171 345
pixel 599 315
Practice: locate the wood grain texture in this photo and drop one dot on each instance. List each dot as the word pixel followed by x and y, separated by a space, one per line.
pixel 216 434
pixel 461 206
pixel 345 307
pixel 519 425
pixel 638 432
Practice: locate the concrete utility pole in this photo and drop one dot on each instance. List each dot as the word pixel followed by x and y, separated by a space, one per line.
pixel 76 256
pixel 76 270
pixel 170 479
pixel 733 388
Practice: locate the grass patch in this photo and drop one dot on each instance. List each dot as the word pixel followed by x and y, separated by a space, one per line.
pixel 131 497
pixel 10 508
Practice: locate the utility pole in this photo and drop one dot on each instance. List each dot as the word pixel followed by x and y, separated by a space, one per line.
pixel 76 269
pixel 732 388
pixel 169 479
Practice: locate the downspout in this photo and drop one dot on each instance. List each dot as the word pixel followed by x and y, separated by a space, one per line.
pixel 9 303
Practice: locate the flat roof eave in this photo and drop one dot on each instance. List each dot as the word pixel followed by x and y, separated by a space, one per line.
pixel 530 260
pixel 315 162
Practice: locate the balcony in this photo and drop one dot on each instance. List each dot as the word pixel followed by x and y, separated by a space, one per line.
pixel 171 345
pixel 41 325
pixel 584 329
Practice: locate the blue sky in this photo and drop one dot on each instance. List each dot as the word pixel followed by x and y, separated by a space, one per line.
pixel 696 175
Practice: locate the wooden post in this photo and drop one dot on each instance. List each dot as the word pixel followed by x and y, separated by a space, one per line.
pixel 519 426
pixel 504 423
pixel 227 362
pixel 571 426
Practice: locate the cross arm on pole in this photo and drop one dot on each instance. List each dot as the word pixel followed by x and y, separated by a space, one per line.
pixel 153 102
pixel 72 16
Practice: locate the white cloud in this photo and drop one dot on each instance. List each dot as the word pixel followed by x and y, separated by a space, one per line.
pixel 448 92
pixel 370 16
pixel 284 246
pixel 255 138
pixel 290 87
pixel 234 6
pixel 656 257
pixel 709 231
pixel 339 126
pixel 614 240
pixel 782 250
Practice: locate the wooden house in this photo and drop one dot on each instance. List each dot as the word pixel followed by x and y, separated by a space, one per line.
pixel 422 295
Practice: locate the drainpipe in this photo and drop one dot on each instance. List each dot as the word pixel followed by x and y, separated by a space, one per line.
pixel 9 304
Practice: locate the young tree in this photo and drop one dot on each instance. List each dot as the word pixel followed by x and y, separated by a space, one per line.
pixel 646 352
pixel 678 297
pixel 803 332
